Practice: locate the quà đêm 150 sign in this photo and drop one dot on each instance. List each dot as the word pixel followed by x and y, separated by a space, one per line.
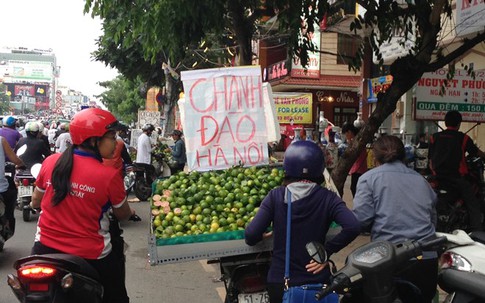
pixel 223 116
pixel 462 93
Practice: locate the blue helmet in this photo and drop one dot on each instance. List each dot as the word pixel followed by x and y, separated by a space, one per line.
pixel 304 159
pixel 9 121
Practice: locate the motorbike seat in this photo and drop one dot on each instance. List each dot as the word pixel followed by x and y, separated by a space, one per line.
pixel 478 236
pixel 468 282
pixel 69 262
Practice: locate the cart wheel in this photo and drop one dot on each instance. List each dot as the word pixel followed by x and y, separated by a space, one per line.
pixel 26 214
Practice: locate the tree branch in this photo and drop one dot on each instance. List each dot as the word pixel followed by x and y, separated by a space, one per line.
pixel 467 45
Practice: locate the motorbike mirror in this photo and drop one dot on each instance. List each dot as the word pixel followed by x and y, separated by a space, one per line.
pixel 21 150
pixel 316 250
pixel 35 170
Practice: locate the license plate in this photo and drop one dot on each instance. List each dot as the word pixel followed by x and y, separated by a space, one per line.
pixel 25 191
pixel 257 297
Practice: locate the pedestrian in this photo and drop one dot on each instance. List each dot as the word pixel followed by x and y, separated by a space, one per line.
pixel 396 204
pixel 447 151
pixel 64 140
pixel 360 165
pixel 121 157
pixel 314 208
pixel 76 183
pixel 178 152
pixel 144 152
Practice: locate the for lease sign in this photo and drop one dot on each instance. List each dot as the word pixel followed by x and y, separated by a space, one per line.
pixel 462 93
pixel 224 118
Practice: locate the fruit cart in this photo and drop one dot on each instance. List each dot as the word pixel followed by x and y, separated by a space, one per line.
pixel 165 254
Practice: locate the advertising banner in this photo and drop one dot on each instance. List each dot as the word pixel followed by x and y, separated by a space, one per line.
pixel 462 93
pixel 293 105
pixel 40 90
pixel 470 17
pixel 223 118
pixel 376 86
pixel 313 66
pixel 31 70
pixel 24 90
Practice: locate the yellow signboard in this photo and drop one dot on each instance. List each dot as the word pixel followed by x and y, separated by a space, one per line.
pixel 151 104
pixel 296 106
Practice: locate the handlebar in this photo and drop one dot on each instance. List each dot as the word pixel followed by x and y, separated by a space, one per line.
pixel 379 256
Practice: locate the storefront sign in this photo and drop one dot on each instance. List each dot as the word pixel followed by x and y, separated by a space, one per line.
pixel 296 106
pixel 223 117
pixel 276 71
pixel 462 93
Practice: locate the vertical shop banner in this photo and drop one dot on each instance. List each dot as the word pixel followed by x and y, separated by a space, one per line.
pixel 223 117
pixel 293 105
pixel 462 93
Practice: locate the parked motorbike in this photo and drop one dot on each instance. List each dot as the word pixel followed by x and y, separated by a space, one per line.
pixel 462 267
pixel 142 185
pixel 370 268
pixel 244 277
pixel 452 213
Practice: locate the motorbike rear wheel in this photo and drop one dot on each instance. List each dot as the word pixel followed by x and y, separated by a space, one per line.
pixel 26 214
pixel 143 190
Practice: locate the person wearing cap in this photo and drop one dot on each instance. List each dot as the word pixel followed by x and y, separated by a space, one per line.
pixel 314 208
pixel 9 132
pixel 178 152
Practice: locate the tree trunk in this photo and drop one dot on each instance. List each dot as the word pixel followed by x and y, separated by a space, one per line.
pixel 405 74
pixel 243 31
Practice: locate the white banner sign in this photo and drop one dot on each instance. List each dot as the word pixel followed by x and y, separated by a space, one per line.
pixel 470 17
pixel 224 118
pixel 463 93
pixel 148 117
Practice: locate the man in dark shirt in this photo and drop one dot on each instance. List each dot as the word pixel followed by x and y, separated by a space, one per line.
pixel 447 151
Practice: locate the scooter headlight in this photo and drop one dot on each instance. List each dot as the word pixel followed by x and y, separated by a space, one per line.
pixel 455 261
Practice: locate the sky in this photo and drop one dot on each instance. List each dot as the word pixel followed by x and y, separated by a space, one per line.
pixel 61 26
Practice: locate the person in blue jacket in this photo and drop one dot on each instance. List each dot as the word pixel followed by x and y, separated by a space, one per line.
pixel 314 208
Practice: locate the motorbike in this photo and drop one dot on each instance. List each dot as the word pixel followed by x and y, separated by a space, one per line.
pixel 244 277
pixel 462 267
pixel 129 179
pixel 369 271
pixel 451 211
pixel 24 196
pixel 59 278
pixel 141 180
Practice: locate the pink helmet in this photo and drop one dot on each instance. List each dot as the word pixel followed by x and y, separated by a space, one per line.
pixel 91 122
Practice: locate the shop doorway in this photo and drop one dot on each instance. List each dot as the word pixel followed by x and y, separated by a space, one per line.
pixel 344 114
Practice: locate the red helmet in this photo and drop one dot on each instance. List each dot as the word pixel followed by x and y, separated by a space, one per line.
pixel 91 122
